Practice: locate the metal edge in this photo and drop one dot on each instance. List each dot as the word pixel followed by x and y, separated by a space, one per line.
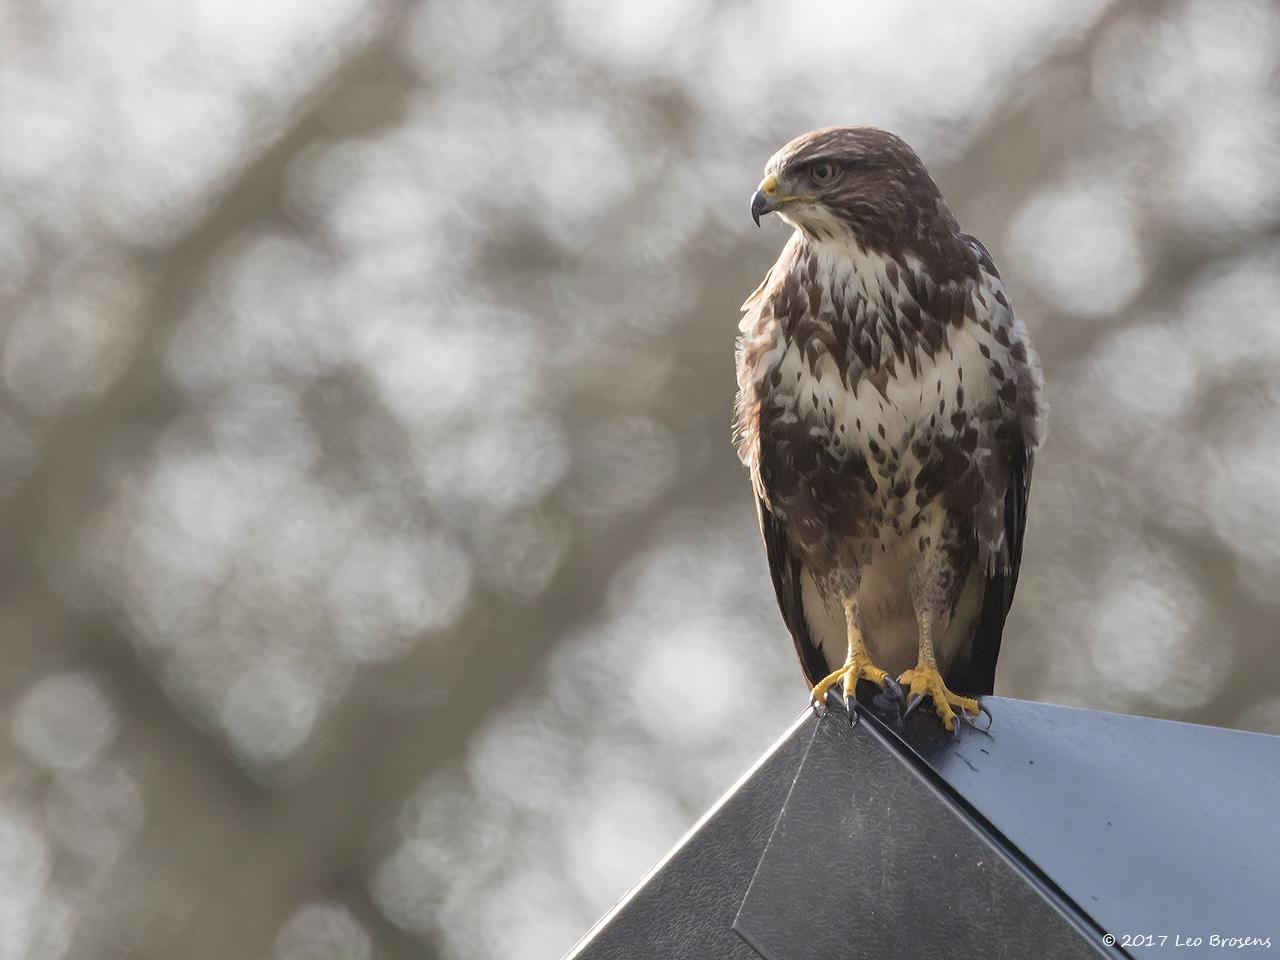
pixel 795 778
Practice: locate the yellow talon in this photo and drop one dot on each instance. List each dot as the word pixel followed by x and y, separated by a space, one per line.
pixel 858 663
pixel 925 681
pixel 857 667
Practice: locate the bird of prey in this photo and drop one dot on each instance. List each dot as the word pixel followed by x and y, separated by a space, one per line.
pixel 889 406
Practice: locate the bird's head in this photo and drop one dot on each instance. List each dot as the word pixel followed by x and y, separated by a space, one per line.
pixel 842 181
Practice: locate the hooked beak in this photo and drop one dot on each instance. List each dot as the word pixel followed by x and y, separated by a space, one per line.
pixel 764 199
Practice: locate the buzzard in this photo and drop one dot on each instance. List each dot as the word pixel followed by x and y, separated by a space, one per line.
pixel 889 406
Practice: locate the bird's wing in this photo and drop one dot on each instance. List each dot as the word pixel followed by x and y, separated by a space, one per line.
pixel 784 567
pixel 1025 411
pixel 979 677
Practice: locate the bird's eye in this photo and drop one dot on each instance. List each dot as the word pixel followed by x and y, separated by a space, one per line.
pixel 822 172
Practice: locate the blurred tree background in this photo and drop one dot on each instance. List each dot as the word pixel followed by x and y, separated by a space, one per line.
pixel 377 579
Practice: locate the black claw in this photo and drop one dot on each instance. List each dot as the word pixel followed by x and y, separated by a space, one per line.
pixel 893 688
pixel 851 705
pixel 915 702
pixel 982 709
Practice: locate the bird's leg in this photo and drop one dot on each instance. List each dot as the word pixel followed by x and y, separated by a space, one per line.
pixel 924 680
pixel 857 664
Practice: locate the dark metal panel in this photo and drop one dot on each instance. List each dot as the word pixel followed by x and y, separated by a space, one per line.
pixel 1027 840
pixel 684 910
pixel 1153 827
pixel 871 858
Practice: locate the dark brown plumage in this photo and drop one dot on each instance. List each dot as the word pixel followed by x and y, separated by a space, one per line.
pixel 889 405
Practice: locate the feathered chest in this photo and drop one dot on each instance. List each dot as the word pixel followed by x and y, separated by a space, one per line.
pixel 864 355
